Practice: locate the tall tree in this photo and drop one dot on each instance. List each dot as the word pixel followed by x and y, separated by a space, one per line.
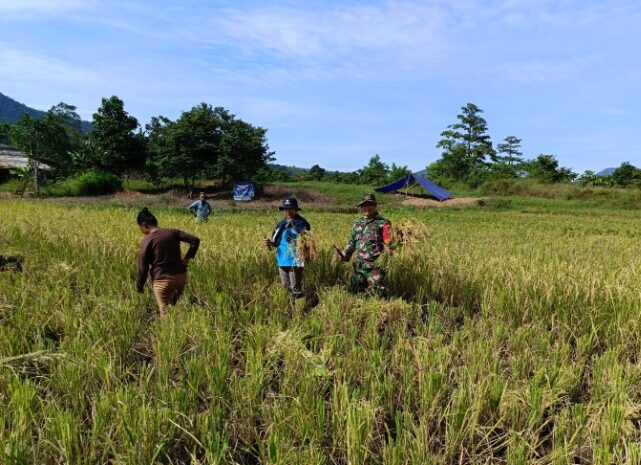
pixel 50 139
pixel 376 171
pixel 510 151
pixel 207 141
pixel 626 175
pixel 189 146
pixel 65 136
pixel 243 150
pixel 115 145
pixel 466 145
pixel 317 173
pixel 397 172
pixel 5 131
pixel 30 136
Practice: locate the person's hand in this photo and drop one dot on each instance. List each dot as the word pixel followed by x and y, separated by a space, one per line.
pixel 268 242
pixel 340 254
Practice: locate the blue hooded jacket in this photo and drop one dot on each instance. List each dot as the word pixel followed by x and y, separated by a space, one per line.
pixel 285 236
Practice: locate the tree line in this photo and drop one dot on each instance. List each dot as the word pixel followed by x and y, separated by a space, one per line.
pixel 204 142
pixel 208 142
pixel 469 157
pixel 375 172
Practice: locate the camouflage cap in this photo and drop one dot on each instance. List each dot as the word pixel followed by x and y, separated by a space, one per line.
pixel 368 198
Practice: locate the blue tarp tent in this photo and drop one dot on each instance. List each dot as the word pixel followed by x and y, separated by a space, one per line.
pixel 415 178
pixel 244 191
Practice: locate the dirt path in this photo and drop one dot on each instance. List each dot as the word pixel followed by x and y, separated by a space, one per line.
pixel 432 203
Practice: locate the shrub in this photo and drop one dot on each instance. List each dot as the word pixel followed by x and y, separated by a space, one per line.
pixel 611 196
pixel 13 186
pixel 88 183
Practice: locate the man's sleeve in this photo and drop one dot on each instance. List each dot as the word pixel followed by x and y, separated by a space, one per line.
pixel 276 233
pixel 387 232
pixel 351 244
pixel 143 267
pixel 302 226
pixel 193 242
pixel 191 206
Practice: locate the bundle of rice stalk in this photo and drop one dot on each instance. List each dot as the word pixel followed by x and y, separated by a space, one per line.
pixel 306 246
pixel 410 232
pixel 289 342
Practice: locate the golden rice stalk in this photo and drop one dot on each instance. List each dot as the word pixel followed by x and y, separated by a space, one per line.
pixel 410 232
pixel 306 246
pixel 289 342
pixel 38 357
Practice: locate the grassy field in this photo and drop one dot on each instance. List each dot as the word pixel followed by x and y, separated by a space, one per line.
pixel 513 336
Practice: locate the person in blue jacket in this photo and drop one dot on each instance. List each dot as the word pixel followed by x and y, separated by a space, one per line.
pixel 285 238
pixel 200 208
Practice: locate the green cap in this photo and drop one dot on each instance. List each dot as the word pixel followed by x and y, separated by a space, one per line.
pixel 368 198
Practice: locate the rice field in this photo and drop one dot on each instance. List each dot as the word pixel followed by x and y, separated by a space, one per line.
pixel 512 336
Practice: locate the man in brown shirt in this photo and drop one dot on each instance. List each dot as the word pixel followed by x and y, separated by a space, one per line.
pixel 160 251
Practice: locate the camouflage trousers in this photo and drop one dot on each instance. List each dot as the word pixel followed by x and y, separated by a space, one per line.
pixel 368 277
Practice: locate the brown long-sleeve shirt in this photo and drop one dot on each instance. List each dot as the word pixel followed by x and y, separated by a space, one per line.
pixel 160 251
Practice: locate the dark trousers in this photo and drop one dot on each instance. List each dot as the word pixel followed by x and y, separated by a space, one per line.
pixel 292 279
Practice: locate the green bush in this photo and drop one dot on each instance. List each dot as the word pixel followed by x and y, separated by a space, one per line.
pixel 611 196
pixel 88 183
pixel 13 186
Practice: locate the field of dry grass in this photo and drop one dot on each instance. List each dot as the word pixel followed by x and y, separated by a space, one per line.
pixel 512 336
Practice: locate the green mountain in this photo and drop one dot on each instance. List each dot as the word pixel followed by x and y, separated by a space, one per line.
pixel 11 111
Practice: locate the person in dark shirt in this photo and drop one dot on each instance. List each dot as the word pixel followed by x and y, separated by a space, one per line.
pixel 160 253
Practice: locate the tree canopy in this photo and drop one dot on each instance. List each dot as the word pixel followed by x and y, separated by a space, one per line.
pixel 468 155
pixel 466 146
pixel 50 139
pixel 207 141
pixel 375 171
pixel 115 146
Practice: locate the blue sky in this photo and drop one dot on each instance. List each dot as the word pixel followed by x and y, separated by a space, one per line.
pixel 336 82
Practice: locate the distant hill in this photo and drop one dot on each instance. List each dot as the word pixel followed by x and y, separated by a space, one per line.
pixel 606 172
pixel 294 170
pixel 11 111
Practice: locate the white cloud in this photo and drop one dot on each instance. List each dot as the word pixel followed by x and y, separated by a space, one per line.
pixel 20 64
pixel 405 40
pixel 361 40
pixel 40 78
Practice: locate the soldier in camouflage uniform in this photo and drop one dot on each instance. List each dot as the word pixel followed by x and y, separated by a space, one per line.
pixel 370 235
